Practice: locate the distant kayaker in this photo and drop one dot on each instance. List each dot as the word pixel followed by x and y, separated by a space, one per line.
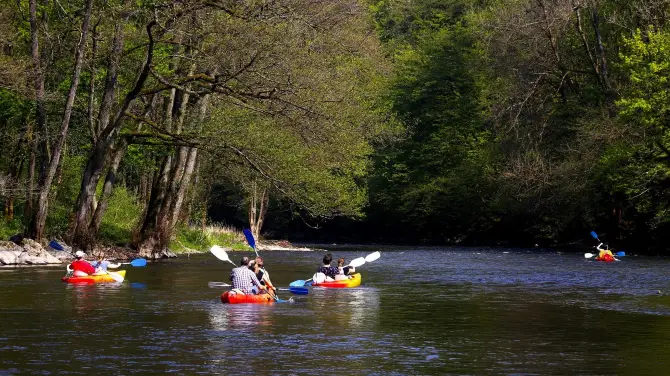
pixel 244 279
pixel 605 253
pixel 332 271
pixel 81 267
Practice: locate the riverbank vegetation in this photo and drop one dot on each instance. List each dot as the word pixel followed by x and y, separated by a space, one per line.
pixel 119 117
pixel 527 122
pixel 451 121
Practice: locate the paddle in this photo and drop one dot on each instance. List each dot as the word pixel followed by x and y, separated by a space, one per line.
pixel 137 262
pixel 298 290
pixel 299 283
pixel 221 254
pixel 594 236
pixel 621 253
pixel 117 277
pixel 250 239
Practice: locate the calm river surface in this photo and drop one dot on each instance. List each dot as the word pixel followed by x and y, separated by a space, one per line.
pixel 419 311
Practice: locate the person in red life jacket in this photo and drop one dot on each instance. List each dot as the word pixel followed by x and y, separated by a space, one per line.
pixel 605 254
pixel 81 267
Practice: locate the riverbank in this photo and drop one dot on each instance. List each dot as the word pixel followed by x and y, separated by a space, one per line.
pixel 188 240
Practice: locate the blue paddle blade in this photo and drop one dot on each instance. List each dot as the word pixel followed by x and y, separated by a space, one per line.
pixel 55 245
pixel 308 283
pixel 298 283
pixel 139 262
pixel 594 235
pixel 621 253
pixel 250 238
pixel 299 290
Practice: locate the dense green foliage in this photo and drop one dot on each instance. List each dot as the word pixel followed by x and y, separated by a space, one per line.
pixel 437 121
pixel 527 122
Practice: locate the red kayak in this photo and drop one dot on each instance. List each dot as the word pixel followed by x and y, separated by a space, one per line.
pixel 606 258
pixel 234 297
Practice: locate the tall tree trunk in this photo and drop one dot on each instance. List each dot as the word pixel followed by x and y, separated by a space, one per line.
pixel 39 219
pixel 258 206
pixel 108 187
pixel 40 111
pixel 595 20
pixel 189 168
pixel 30 199
pixel 92 125
pixel 96 161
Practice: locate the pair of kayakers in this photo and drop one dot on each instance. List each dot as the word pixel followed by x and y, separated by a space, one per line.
pixel 251 277
pixel 82 268
pixel 335 273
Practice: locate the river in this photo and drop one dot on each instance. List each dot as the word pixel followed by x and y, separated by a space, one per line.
pixel 419 311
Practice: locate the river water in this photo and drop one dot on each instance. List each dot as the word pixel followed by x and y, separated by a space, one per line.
pixel 419 311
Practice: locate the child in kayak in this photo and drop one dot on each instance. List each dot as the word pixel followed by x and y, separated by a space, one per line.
pixel 101 265
pixel 341 275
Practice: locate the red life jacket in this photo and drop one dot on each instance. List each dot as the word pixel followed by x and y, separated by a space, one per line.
pixel 83 265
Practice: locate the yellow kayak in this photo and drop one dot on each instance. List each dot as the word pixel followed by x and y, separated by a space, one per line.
pixel 94 278
pixel 354 281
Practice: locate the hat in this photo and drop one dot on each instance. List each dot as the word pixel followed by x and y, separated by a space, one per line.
pixel 79 254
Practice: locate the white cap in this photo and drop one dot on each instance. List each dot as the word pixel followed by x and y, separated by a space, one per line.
pixel 79 254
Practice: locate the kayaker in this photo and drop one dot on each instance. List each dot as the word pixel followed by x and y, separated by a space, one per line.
pixel 605 254
pixel 244 279
pixel 332 271
pixel 262 274
pixel 81 267
pixel 340 270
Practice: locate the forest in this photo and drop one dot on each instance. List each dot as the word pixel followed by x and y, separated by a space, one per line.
pixel 470 122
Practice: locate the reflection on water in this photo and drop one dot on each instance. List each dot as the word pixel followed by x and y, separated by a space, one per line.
pixel 476 311
pixel 353 308
pixel 255 317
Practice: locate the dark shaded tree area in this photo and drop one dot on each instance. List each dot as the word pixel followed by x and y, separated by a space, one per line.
pixel 527 121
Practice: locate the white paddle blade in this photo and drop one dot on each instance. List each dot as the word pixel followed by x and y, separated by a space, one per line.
pixel 588 255
pixel 219 253
pixel 372 256
pixel 117 277
pixel 319 278
pixel 357 262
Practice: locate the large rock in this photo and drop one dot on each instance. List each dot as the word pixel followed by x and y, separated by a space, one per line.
pixel 35 254
pixel 31 253
pixel 64 255
pixel 9 253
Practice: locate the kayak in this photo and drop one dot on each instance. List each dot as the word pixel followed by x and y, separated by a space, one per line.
pixel 94 278
pixel 234 297
pixel 606 258
pixel 355 281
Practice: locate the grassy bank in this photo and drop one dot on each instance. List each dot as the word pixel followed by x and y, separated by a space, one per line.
pixel 121 220
pixel 194 239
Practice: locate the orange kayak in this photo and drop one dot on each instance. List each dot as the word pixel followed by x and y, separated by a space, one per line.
pixel 94 278
pixel 234 297
pixel 355 281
